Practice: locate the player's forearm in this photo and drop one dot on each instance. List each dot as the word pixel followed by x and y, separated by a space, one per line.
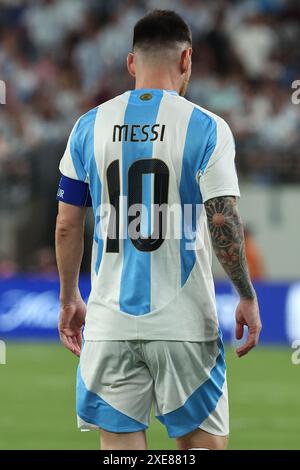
pixel 227 235
pixel 69 241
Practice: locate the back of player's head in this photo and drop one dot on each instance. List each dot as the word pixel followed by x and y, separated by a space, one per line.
pixel 161 29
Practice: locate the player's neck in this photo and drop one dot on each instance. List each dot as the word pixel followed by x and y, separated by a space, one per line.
pixel 157 83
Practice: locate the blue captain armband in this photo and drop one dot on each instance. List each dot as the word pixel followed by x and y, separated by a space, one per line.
pixel 74 192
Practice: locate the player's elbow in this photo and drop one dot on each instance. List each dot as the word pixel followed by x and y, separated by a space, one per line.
pixel 63 227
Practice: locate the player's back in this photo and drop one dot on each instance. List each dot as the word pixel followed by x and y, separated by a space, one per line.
pixel 143 154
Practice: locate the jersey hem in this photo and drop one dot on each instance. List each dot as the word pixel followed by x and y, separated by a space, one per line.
pixel 191 339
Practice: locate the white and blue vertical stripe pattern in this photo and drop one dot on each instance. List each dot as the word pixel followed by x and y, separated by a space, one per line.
pixel 199 146
pixel 135 290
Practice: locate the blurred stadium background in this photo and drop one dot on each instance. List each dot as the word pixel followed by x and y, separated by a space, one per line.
pixel 58 58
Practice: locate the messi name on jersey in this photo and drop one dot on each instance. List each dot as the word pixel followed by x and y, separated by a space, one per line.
pixel 138 133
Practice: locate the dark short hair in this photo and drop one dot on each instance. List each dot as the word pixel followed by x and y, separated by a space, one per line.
pixel 161 28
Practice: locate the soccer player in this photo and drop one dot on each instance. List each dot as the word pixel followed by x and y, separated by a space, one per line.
pixel 150 325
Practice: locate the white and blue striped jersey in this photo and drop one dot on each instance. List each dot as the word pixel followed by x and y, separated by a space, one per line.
pixel 143 149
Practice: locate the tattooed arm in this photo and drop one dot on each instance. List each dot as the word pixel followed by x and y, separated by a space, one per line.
pixel 227 235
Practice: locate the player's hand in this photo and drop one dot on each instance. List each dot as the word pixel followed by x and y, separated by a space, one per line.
pixel 247 314
pixel 71 322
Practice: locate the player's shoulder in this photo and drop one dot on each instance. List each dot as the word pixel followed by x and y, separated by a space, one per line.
pixel 206 114
pixel 86 120
pixel 202 118
pixel 85 124
pixel 89 116
pixel 211 123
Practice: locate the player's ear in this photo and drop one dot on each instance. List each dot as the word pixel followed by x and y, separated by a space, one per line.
pixel 131 64
pixel 186 60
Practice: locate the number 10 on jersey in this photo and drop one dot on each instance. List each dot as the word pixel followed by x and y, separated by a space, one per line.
pixel 136 171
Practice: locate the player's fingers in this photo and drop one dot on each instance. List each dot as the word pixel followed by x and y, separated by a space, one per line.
pixel 75 346
pixel 70 344
pixel 243 350
pixel 66 340
pixel 63 339
pixel 239 330
pixel 79 340
pixel 250 344
pixel 77 343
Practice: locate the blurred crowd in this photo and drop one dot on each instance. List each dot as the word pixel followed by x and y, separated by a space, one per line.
pixel 59 58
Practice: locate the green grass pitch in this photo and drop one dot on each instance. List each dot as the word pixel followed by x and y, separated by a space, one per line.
pixel 37 401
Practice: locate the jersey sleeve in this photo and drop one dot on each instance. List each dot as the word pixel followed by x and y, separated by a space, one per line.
pixel 217 175
pixel 73 186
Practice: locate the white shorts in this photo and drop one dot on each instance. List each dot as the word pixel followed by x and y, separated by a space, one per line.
pixel 118 381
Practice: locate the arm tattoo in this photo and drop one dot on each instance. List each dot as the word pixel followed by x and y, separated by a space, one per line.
pixel 227 235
